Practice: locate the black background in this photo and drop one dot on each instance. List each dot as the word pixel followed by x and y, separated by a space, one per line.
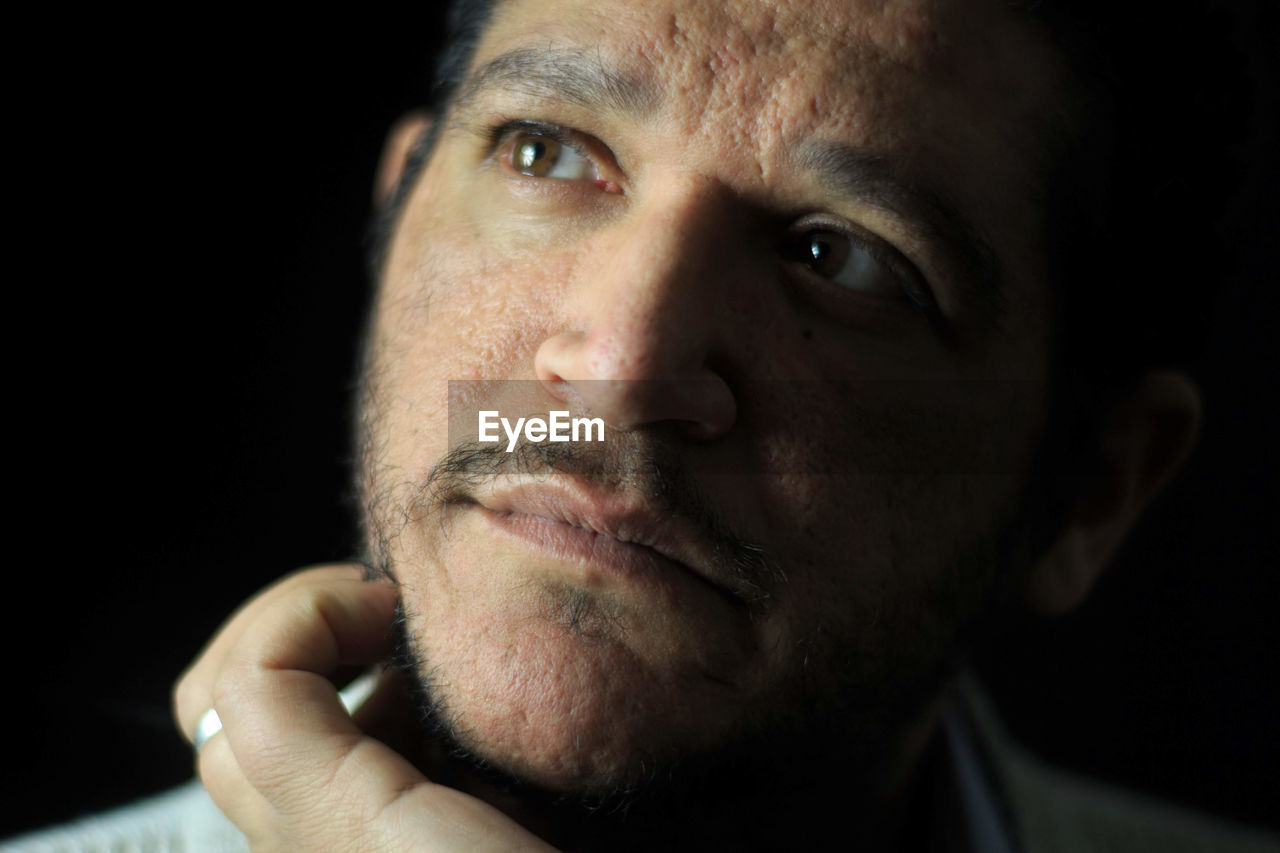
pixel 186 297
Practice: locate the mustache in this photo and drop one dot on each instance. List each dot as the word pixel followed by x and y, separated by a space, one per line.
pixel 633 463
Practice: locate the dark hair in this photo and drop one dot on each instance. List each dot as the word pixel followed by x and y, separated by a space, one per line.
pixel 466 23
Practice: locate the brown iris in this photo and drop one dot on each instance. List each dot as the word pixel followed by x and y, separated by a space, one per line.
pixel 535 156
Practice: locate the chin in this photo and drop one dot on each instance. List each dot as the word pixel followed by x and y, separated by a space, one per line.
pixel 571 710
pixel 570 676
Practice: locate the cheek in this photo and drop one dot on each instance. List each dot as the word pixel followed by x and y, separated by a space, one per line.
pixel 890 507
pixel 459 311
pixel 471 312
pixel 467 291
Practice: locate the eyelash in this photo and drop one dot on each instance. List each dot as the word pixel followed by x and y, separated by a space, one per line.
pixel 502 133
pixel 913 284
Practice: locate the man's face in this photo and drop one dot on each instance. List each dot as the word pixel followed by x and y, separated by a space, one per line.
pixel 791 253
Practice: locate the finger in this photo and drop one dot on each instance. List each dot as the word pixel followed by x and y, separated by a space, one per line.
pixel 282 717
pixel 319 786
pixel 452 821
pixel 193 692
pixel 230 790
pixel 319 776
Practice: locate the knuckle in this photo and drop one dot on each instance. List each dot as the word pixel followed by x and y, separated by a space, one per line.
pixel 225 689
pixel 180 694
pixel 188 698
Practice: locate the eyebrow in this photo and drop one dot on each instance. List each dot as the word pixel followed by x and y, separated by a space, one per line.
pixel 577 76
pixel 872 179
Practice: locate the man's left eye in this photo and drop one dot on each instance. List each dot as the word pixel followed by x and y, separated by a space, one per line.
pixel 545 157
pixel 835 256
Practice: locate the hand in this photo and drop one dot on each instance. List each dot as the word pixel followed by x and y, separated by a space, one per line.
pixel 290 767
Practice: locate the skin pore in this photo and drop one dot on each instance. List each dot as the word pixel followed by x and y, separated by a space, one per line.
pixel 791 253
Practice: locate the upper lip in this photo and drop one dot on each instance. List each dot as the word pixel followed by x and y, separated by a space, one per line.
pixel 621 516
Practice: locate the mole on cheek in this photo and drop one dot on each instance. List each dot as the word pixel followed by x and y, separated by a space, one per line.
pixel 807 334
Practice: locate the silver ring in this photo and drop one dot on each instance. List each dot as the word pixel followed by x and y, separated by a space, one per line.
pixel 210 724
pixel 352 696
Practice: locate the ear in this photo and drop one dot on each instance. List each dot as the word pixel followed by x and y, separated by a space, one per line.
pixel 396 151
pixel 1144 441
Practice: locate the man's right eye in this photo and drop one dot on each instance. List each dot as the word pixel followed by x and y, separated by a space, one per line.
pixel 541 156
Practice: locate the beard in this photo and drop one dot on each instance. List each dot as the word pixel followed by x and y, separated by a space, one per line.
pixel 632 812
pixel 825 735
pixel 830 727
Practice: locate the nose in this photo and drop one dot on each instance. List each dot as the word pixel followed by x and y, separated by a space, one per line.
pixel 643 337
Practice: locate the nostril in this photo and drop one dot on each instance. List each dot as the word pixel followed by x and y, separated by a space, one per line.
pixel 554 363
pixel 558 387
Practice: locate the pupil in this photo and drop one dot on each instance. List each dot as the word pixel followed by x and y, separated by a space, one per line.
pixel 531 153
pixel 819 249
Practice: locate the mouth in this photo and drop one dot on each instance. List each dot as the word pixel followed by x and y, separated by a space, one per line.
pixel 609 534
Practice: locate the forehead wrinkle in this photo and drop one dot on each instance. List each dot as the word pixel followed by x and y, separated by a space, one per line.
pixel 789 69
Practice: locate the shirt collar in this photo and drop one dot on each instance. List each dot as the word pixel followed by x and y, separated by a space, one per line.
pixel 984 829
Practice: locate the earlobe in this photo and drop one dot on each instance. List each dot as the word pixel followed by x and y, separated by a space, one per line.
pixel 1144 440
pixel 396 151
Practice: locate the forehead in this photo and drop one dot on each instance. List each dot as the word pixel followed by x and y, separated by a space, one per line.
pixel 779 69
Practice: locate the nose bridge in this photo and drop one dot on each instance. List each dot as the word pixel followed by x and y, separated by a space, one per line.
pixel 678 229
pixel 638 338
pixel 651 300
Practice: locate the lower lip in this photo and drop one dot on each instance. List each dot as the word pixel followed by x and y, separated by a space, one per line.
pixel 602 557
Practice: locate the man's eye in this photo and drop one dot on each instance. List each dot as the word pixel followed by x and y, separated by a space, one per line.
pixel 837 257
pixel 544 157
